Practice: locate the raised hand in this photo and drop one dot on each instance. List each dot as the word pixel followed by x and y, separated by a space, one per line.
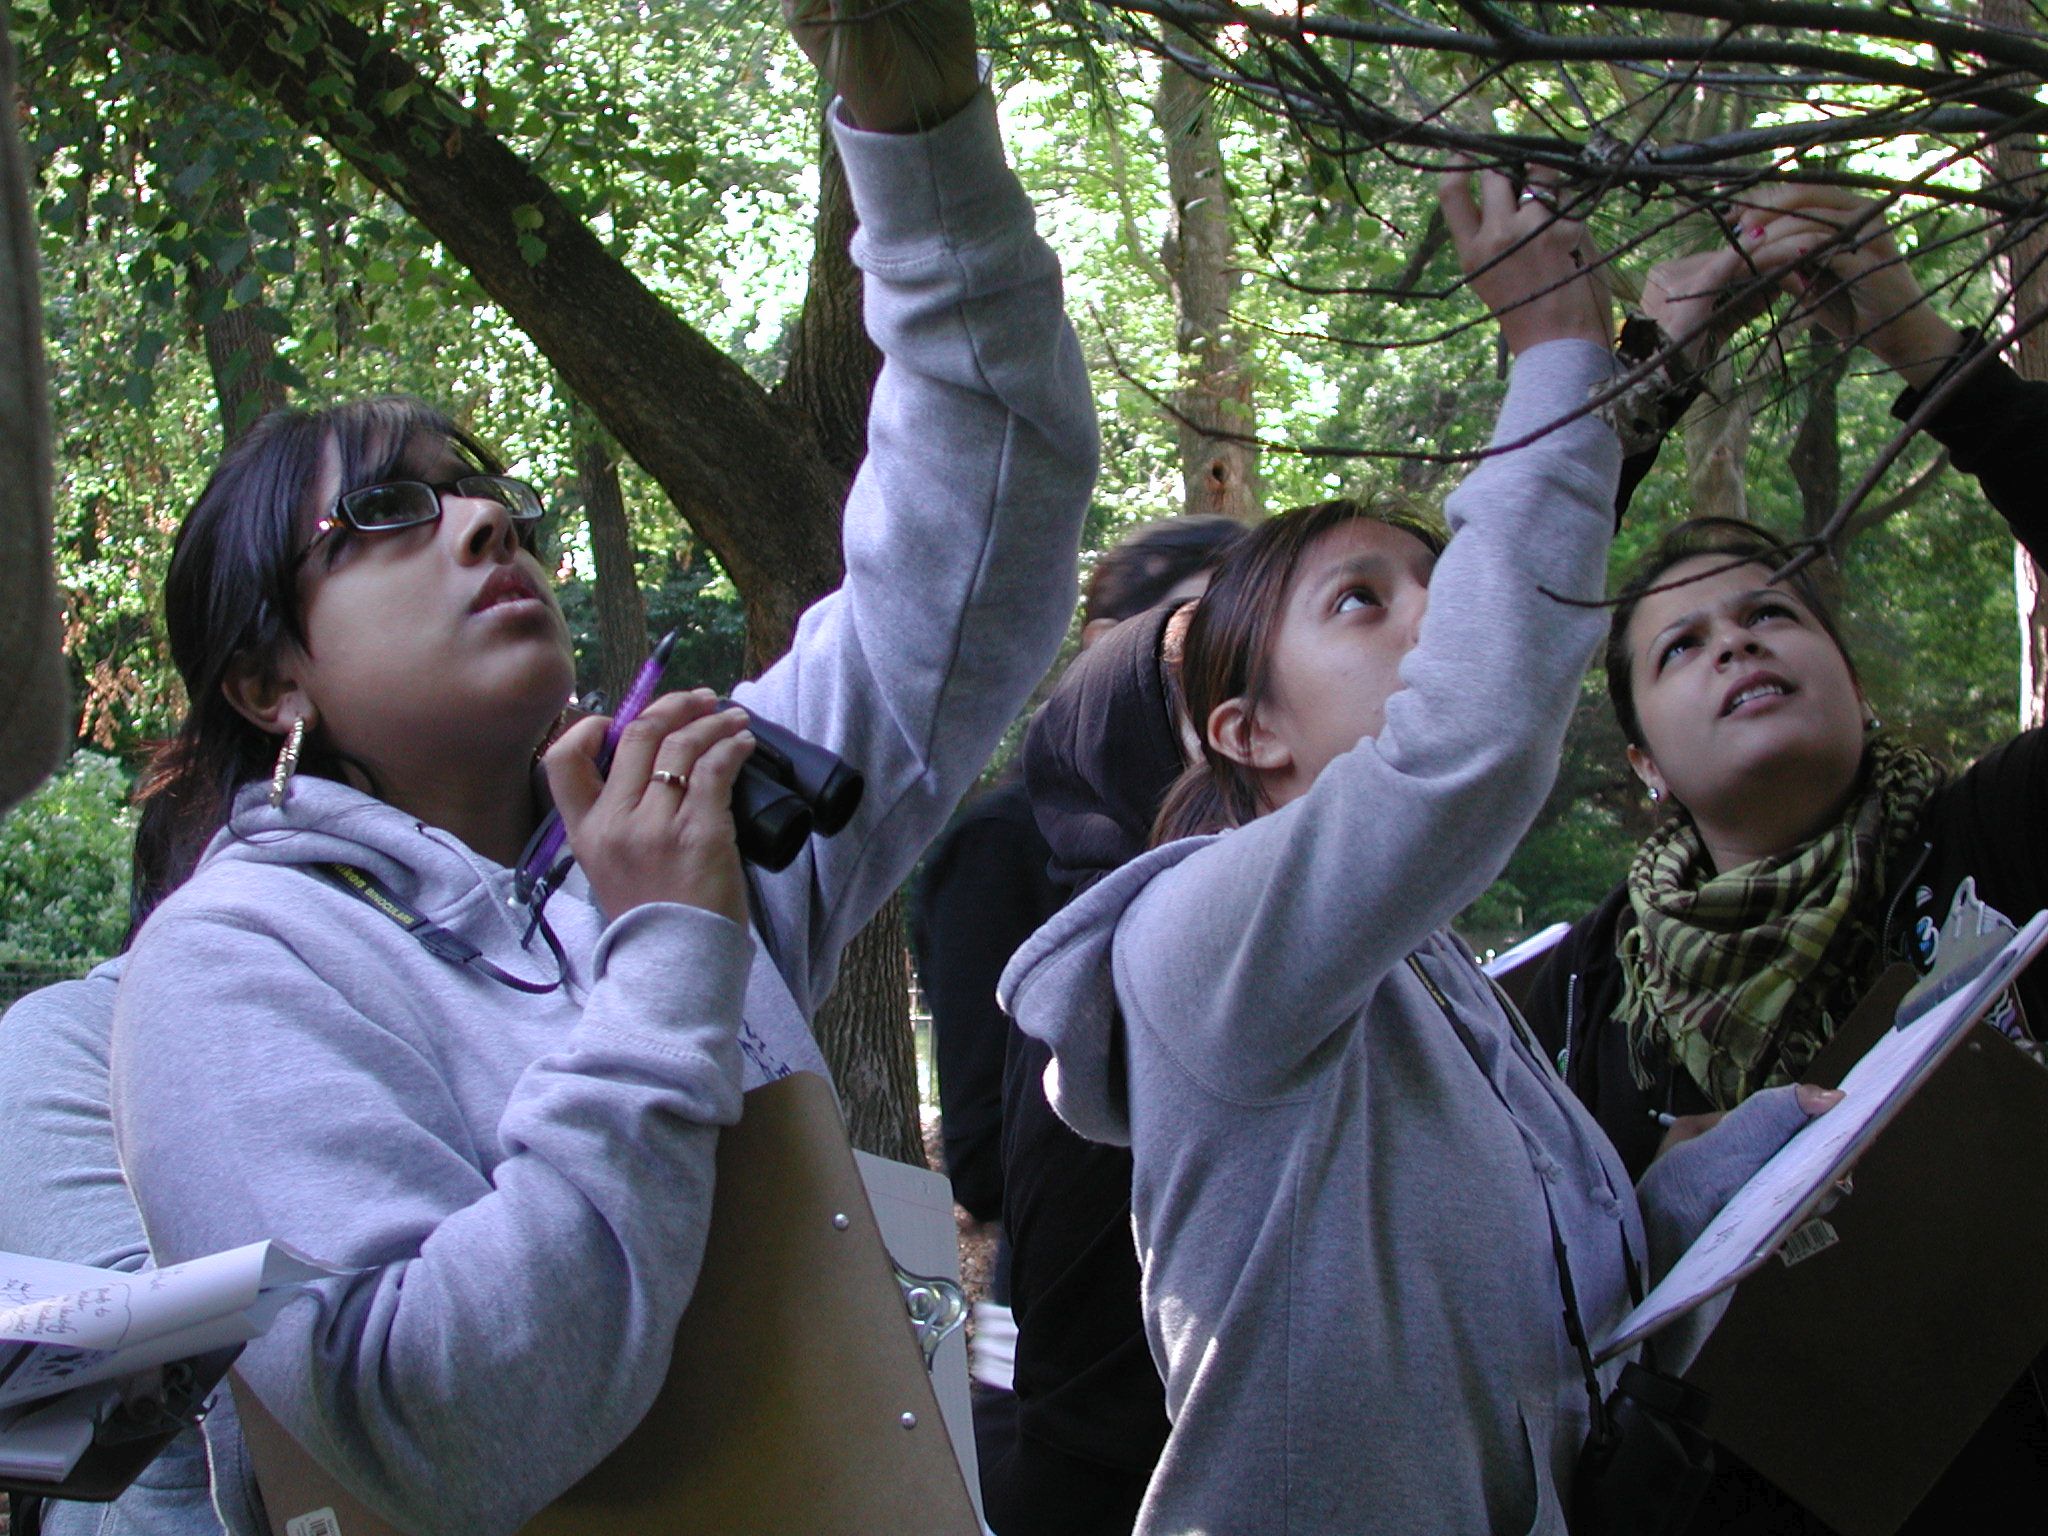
pixel 1527 261
pixel 659 827
pixel 1700 299
pixel 1836 255
pixel 898 66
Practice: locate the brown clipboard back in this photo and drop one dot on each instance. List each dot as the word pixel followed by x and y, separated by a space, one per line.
pixel 1852 1378
pixel 796 1400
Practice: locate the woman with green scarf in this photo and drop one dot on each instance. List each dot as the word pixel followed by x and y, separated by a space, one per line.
pixel 1804 847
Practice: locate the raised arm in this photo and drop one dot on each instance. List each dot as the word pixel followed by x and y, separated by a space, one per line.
pixel 962 526
pixel 1834 254
pixel 1286 926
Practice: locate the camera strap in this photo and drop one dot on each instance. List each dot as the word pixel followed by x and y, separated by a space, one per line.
pixel 442 942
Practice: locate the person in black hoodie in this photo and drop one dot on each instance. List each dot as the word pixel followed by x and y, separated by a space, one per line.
pixel 1805 847
pixel 985 889
pixel 1091 1416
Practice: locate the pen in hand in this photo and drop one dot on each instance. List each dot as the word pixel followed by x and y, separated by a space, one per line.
pixel 542 866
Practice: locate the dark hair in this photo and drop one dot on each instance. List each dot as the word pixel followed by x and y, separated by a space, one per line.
pixel 1739 543
pixel 1139 570
pixel 1229 650
pixel 232 592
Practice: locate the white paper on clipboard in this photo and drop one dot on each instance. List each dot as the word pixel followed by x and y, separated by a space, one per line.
pixel 1766 1210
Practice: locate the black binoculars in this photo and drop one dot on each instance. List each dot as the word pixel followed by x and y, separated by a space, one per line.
pixel 789 789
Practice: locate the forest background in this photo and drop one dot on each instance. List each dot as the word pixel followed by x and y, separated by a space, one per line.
pixel 608 236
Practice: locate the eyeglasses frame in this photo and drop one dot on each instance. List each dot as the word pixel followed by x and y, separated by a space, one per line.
pixel 341 516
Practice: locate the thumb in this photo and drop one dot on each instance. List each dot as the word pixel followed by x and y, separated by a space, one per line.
pixel 571 767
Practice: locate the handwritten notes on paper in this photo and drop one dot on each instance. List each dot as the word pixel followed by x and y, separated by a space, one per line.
pixel 64 1326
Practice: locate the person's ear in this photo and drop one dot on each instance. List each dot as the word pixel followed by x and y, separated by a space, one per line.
pixel 1645 768
pixel 1235 731
pixel 267 694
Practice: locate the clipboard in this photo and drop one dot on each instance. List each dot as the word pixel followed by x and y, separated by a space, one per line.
pixel 796 1401
pixel 1853 1376
pixel 129 1441
pixel 1773 1206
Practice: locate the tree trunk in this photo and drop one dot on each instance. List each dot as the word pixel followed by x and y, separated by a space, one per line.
pixel 1816 456
pixel 2015 163
pixel 1717 432
pixel 238 351
pixel 622 640
pixel 864 1026
pixel 864 1031
pixel 832 361
pixel 35 703
pixel 1219 470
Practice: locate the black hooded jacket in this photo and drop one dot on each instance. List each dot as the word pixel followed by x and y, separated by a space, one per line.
pixel 1091 1416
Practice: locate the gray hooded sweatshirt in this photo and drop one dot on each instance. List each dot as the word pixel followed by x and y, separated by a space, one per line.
pixel 524 1181
pixel 1341 1140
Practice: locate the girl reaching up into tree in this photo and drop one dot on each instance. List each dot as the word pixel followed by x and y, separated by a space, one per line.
pixel 1361 1196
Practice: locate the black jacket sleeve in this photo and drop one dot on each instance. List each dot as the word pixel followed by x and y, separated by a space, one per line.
pixel 984 892
pixel 1995 427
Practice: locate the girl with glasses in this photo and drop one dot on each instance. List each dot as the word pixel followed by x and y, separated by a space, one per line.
pixel 513 1149
pixel 1349 1165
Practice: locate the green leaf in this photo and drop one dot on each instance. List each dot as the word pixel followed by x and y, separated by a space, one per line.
pixel 272 220
pixel 394 100
pixel 527 216
pixel 188 181
pixel 266 318
pixel 533 248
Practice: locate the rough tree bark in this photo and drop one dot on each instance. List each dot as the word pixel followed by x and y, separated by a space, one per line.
pixel 238 351
pixel 1214 397
pixel 2023 269
pixel 622 639
pixel 35 704
pixel 1816 455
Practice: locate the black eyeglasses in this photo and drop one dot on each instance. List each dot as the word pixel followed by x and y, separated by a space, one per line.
pixel 396 504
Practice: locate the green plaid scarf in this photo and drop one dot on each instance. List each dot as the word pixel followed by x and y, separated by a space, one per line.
pixel 1741 977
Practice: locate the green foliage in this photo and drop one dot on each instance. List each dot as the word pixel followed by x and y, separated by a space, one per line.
pixel 684 136
pixel 64 863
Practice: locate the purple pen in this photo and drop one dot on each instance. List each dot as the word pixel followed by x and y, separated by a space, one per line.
pixel 538 872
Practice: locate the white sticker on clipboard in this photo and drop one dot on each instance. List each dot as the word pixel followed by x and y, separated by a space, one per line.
pixel 320 1522
pixel 1815 1236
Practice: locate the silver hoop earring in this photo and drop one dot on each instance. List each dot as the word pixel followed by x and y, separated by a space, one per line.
pixel 287 762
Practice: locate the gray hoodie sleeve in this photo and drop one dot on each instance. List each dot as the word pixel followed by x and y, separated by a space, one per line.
pixel 66 1199
pixel 506 1331
pixel 1299 916
pixel 960 531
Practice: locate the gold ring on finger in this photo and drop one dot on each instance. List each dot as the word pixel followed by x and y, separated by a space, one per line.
pixel 680 780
